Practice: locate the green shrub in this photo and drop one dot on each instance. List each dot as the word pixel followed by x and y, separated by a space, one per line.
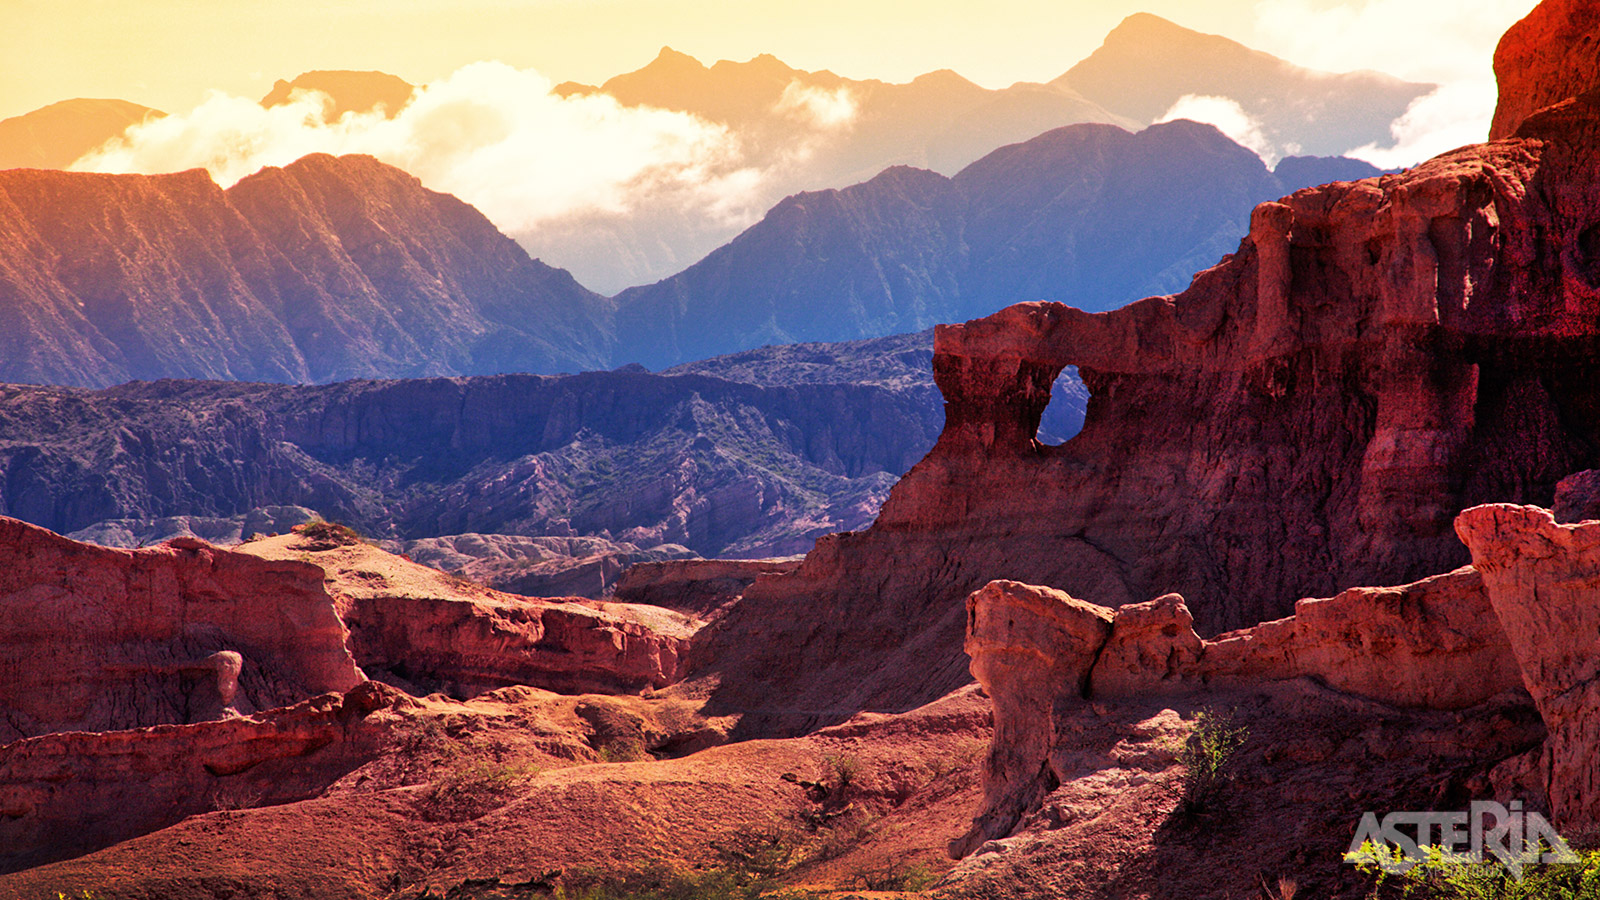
pixel 895 877
pixel 1447 876
pixel 1208 757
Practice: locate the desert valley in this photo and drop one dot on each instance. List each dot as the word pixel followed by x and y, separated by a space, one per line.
pixel 921 490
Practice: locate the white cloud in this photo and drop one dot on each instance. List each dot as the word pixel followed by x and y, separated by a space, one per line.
pixel 1418 40
pixel 492 135
pixel 1228 117
pixel 818 106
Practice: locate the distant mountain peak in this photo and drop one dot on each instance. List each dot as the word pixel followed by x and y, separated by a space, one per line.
pixel 351 91
pixel 675 58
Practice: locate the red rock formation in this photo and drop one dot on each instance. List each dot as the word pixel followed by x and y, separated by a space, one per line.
pixel 1031 649
pixel 1541 579
pixel 1433 644
pixel 94 639
pixel 698 587
pixel 1549 56
pixel 426 631
pixel 63 794
pixel 1308 416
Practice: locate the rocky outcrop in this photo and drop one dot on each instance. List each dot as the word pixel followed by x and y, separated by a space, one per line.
pixel 1039 654
pixel 425 631
pixel 536 566
pixel 1432 644
pixel 1541 580
pixel 1550 55
pixel 175 634
pixel 65 794
pixel 696 587
pixel 328 268
pixel 1032 649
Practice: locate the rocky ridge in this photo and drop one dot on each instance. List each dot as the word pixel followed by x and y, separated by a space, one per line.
pixel 325 269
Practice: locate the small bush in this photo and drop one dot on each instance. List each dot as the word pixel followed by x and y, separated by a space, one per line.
pixel 1208 757
pixel 895 877
pixel 470 790
pixel 319 536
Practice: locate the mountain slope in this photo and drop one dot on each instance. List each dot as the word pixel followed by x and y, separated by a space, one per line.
pixel 328 268
pixel 718 466
pixel 51 137
pixel 1147 64
pixel 1088 214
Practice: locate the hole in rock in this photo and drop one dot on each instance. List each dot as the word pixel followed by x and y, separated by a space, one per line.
pixel 1063 418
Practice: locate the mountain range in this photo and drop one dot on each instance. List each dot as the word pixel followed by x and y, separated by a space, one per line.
pixel 334 268
pixel 715 465
pixel 793 130
pixel 327 269
pixel 1090 215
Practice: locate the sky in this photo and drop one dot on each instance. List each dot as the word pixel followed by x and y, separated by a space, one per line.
pixel 550 171
pixel 169 53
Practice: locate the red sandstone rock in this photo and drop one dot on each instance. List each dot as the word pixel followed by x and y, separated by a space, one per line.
pixel 94 639
pixel 424 630
pixel 1307 417
pixel 1031 649
pixel 1433 644
pixel 1541 579
pixel 62 794
pixel 697 587
pixel 1549 56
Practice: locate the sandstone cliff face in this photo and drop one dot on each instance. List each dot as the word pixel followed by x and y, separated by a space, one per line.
pixel 1552 54
pixel 93 639
pixel 65 794
pixel 1307 417
pixel 425 631
pixel 1541 579
pixel 328 268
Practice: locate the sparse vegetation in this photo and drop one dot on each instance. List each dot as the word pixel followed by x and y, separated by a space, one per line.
pixel 896 876
pixel 471 789
pixel 319 535
pixel 1208 757
pixel 1447 876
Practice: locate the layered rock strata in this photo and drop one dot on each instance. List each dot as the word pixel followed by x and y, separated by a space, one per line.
pixel 64 794
pixel 96 639
pixel 426 631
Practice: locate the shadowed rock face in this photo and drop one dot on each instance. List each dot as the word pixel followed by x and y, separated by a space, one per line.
pixel 713 465
pixel 1308 416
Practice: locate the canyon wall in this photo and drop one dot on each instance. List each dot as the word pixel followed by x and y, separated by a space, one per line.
pixel 1309 416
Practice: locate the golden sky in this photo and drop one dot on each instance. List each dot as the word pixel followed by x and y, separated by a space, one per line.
pixel 167 53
